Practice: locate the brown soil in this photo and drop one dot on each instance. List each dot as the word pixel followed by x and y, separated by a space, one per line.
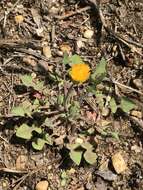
pixel 118 36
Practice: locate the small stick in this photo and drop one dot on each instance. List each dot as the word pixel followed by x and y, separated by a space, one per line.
pixel 73 13
pixel 8 170
pixel 127 87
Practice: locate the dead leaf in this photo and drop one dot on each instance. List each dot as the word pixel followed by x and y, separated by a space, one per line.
pixel 118 163
pixel 60 140
pixel 91 117
pixel 107 175
pixel 42 185
pixel 47 51
pixel 36 17
pixel 21 162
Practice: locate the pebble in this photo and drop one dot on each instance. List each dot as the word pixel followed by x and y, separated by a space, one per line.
pixel 88 34
pixel 29 61
pixel 137 114
pixel 47 51
pixel 39 32
pixel 80 44
pixel 65 48
pixel 136 148
pixel 42 185
pixel 19 19
pixel 105 111
pixel 138 83
pixel 118 163
pixel 79 140
pixel 53 10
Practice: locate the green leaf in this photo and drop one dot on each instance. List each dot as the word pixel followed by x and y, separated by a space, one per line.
pixel 115 135
pixel 48 139
pixel 26 104
pixel 91 89
pixel 76 156
pixel 63 182
pixel 113 105
pixel 99 99
pixel 101 67
pixel 74 109
pixel 22 110
pixel 90 157
pixel 75 59
pixel 27 107
pixel 35 105
pixel 66 59
pixel 18 111
pixel 27 80
pixel 38 144
pixel 38 86
pixel 100 72
pixel 73 146
pixel 64 175
pixel 37 129
pixel 48 122
pixel 60 99
pixel 127 104
pixel 25 131
pixel 87 146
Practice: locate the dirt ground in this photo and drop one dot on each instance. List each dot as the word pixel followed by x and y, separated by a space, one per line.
pixel 117 27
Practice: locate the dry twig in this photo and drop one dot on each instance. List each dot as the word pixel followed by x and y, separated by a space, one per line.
pixel 73 13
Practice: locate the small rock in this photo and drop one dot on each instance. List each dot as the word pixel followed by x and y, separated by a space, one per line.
pixel 21 162
pixel 89 186
pixel 88 34
pixel 19 19
pixel 105 111
pixel 39 32
pixel 42 185
pixel 118 163
pixel 79 140
pixel 59 53
pixel 65 48
pixel 137 114
pixel 138 83
pixel 29 61
pixel 80 44
pixel 47 51
pixel 53 10
pixel 136 148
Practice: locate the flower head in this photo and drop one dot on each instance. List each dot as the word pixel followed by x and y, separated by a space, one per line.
pixel 80 72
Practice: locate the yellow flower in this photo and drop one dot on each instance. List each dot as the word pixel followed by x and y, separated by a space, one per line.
pixel 80 72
